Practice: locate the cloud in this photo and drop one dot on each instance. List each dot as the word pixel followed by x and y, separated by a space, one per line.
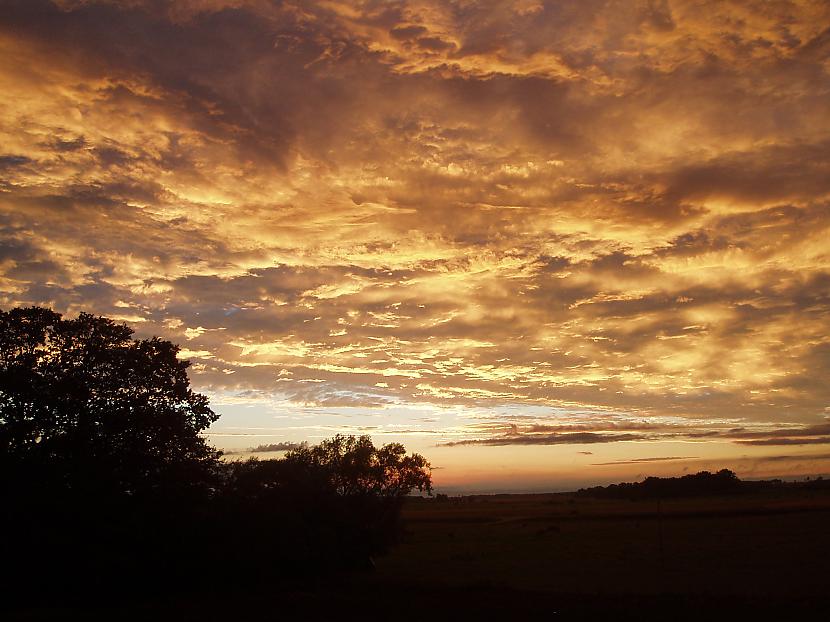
pixel 11 161
pixel 576 438
pixel 268 448
pixel 787 441
pixel 593 428
pixel 640 460
pixel 582 206
pixel 800 457
pixel 815 434
pixel 809 430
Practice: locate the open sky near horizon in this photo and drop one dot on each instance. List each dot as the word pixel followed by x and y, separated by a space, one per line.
pixel 542 243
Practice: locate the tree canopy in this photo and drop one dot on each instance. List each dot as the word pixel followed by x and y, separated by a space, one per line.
pixel 343 466
pixel 354 466
pixel 83 405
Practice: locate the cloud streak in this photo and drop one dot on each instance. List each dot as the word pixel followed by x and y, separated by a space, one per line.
pixel 646 460
pixel 268 448
pixel 576 438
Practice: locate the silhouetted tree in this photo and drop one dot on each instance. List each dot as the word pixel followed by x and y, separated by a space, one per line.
pixel 696 485
pixel 104 477
pixel 324 507
pixel 84 407
pixel 354 466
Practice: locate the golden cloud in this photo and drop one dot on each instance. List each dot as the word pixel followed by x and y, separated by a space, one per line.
pixel 614 207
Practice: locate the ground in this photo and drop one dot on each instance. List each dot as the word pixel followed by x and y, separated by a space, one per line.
pixel 559 556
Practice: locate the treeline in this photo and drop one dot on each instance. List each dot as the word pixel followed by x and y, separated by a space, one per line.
pixel 701 484
pixel 108 488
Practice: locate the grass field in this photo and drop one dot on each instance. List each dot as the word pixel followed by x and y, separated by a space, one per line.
pixel 560 556
pixel 753 545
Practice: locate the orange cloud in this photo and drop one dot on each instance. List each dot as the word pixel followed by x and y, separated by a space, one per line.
pixel 584 207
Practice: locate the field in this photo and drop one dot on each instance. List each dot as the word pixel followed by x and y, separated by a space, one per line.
pixel 560 556
pixel 760 547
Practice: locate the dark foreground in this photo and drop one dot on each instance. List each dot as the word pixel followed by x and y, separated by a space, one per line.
pixel 765 554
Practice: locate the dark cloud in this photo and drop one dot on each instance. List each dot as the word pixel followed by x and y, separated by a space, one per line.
pixel 407 32
pixel 577 438
pixel 72 144
pixel 787 441
pixel 11 161
pixel 640 460
pixel 269 448
pixel 819 429
pixel 799 457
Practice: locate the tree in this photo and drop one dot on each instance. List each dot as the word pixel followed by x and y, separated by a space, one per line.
pixel 84 407
pixel 353 466
pixel 323 507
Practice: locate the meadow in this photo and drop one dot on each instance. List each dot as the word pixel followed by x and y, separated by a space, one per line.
pixel 558 556
pixel 756 546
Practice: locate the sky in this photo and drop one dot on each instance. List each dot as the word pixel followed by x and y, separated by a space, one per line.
pixel 545 244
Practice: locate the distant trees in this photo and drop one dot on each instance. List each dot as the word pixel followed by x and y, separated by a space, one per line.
pixel 700 484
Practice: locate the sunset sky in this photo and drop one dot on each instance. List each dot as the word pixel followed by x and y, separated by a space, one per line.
pixel 542 243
